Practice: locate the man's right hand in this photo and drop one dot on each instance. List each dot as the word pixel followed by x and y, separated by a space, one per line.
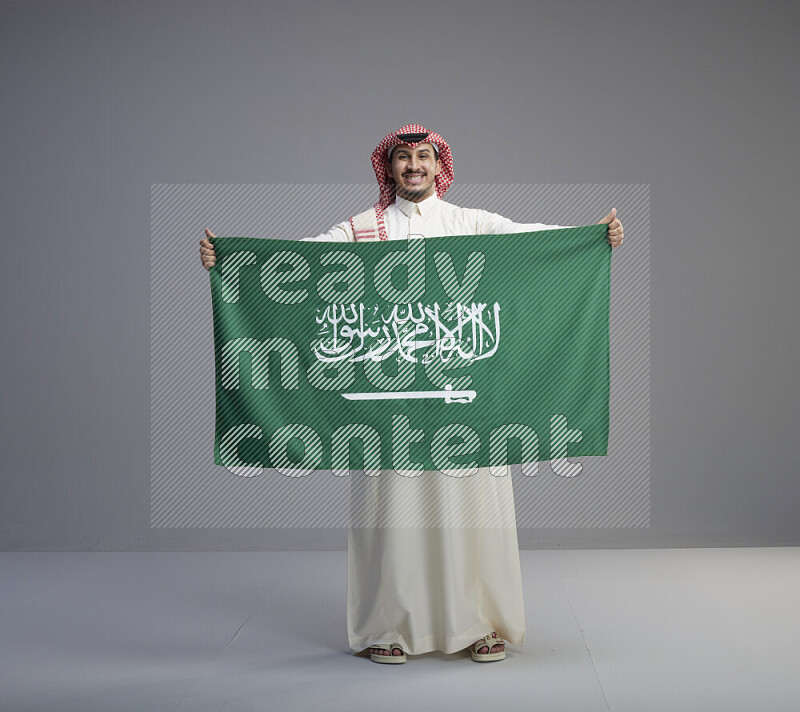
pixel 207 254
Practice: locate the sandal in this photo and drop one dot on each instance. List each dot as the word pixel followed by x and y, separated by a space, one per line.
pixel 390 658
pixel 487 641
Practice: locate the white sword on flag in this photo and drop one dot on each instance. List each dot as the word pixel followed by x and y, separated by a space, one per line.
pixel 449 395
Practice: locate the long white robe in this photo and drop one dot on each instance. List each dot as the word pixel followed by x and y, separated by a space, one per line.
pixel 433 561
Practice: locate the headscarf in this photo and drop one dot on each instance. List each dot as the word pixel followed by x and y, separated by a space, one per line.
pixel 411 135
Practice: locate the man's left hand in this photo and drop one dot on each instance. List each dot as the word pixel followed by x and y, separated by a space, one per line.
pixel 614 234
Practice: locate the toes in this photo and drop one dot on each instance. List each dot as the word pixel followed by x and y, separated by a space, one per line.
pixel 381 651
pixel 483 650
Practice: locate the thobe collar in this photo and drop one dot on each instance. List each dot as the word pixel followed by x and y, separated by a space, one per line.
pixel 425 207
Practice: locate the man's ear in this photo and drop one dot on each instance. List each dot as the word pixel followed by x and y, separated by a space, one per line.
pixel 438 167
pixel 389 170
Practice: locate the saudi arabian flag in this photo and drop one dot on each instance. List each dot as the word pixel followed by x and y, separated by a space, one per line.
pixel 420 354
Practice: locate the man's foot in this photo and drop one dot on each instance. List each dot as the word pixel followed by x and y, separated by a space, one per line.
pixel 490 647
pixel 387 653
pixel 380 651
pixel 498 648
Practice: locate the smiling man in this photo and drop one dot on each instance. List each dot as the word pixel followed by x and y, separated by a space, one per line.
pixel 414 170
pixel 416 590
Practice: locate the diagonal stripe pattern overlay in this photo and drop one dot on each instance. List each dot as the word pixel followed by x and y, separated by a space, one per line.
pixel 189 490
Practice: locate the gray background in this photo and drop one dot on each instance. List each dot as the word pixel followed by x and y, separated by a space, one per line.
pixel 102 100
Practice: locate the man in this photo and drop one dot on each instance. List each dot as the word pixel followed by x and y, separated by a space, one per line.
pixel 472 576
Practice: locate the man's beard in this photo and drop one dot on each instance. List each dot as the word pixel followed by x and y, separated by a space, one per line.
pixel 414 193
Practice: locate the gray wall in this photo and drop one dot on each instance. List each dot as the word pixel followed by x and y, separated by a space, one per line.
pixel 102 100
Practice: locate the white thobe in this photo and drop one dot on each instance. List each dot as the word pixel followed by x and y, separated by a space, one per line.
pixel 434 587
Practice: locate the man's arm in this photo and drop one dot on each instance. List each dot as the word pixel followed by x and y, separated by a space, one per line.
pixel 338 233
pixel 494 224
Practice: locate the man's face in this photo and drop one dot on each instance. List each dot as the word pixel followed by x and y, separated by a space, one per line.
pixel 414 171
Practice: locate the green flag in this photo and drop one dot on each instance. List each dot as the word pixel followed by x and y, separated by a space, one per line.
pixel 437 353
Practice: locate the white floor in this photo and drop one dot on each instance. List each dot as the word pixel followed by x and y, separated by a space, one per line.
pixel 643 630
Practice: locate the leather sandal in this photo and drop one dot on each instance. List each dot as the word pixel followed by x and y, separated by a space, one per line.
pixel 390 658
pixel 487 641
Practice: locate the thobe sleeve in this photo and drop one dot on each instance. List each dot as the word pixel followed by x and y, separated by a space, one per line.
pixel 494 224
pixel 338 233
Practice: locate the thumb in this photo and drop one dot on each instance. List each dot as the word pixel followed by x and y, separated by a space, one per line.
pixel 608 218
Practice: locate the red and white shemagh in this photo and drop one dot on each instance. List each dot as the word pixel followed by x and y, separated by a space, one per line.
pixel 380 160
